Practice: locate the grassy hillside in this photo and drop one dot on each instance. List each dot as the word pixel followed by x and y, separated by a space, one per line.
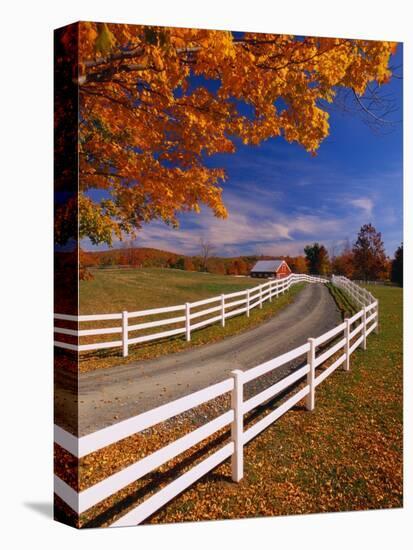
pixel 152 257
pixel 141 254
pixel 114 290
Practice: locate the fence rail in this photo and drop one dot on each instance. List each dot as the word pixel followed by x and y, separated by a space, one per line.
pixel 343 339
pixel 376 283
pixel 190 316
pixel 359 295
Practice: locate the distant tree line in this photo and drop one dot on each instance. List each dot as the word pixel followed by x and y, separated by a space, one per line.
pixel 131 256
pixel 365 259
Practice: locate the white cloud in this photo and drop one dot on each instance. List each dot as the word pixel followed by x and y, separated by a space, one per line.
pixel 278 213
pixel 364 203
pixel 256 224
pixel 253 226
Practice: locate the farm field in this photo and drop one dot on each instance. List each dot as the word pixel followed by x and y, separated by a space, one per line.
pixel 344 455
pixel 114 290
pixel 213 333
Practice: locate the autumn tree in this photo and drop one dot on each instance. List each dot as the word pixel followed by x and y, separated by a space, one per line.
pixel 343 263
pixel 189 264
pixel 215 265
pixel 232 268
pixel 179 263
pixel 385 274
pixel 133 255
pixel 124 256
pixel 397 266
pixel 107 261
pixel 317 259
pixel 155 102
pixel 368 253
pixel 242 266
pixel 206 249
pixel 298 264
pixel 130 255
pixel 86 260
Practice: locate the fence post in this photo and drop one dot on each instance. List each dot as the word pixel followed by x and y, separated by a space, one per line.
pixel 237 426
pixel 248 303
pixel 364 329
pixel 188 321
pixel 270 291
pixel 223 310
pixel 310 401
pixel 260 296
pixel 347 345
pixel 376 330
pixel 125 333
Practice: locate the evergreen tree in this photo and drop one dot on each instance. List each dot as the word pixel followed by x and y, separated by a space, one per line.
pixel 397 266
pixel 317 259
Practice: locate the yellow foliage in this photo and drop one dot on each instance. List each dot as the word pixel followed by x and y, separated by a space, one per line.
pixel 146 130
pixel 105 40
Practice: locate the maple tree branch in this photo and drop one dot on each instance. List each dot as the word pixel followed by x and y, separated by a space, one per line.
pixel 108 73
pixel 130 54
pixel 136 67
pixel 134 52
pixel 108 97
pixel 301 61
pixel 104 174
pixel 368 111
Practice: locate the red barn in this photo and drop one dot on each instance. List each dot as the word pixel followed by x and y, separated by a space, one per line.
pixel 276 269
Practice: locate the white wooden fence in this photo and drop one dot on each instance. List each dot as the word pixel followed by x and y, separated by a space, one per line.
pixel 360 296
pixel 188 317
pixel 376 283
pixel 343 339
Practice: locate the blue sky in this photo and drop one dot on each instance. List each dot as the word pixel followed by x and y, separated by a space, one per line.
pixel 280 198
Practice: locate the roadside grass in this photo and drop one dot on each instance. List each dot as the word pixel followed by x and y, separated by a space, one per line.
pixel 114 290
pixel 345 455
pixel 347 307
pixel 209 334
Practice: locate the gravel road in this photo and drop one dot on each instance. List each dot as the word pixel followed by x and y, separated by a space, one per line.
pixel 109 395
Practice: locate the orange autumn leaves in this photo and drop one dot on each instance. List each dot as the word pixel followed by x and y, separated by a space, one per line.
pixel 148 122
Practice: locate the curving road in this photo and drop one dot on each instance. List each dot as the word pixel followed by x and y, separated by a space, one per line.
pixel 109 395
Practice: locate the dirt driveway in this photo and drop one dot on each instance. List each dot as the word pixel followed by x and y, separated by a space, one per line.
pixel 109 395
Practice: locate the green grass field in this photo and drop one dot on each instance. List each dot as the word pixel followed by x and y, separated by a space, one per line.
pixel 114 290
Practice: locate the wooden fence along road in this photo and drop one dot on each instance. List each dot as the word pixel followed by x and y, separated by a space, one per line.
pixel 344 339
pixel 191 316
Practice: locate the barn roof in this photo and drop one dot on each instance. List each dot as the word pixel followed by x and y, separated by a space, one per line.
pixel 267 265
